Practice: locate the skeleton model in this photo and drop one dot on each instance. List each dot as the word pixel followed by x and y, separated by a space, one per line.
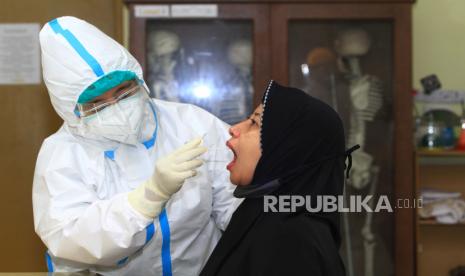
pixel 163 46
pixel 237 101
pixel 319 76
pixel 366 100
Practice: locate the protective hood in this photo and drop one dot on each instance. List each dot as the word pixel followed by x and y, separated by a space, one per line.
pixel 75 54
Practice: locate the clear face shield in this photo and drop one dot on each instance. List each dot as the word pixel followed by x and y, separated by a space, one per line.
pixel 118 115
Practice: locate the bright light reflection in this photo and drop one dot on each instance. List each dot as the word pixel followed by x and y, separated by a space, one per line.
pixel 201 91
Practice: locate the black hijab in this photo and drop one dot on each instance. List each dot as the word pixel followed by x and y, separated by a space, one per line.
pixel 303 153
pixel 298 134
pixel 303 150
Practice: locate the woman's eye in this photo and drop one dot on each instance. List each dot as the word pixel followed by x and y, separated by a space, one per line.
pixel 252 121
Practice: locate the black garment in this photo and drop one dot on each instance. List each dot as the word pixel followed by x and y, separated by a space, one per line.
pixel 303 150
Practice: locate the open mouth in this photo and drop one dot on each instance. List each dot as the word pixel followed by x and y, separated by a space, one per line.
pixel 233 162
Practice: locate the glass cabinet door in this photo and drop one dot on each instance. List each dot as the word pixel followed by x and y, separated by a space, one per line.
pixel 208 61
pixel 350 64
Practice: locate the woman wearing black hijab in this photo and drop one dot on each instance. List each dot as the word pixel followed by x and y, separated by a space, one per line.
pixel 293 144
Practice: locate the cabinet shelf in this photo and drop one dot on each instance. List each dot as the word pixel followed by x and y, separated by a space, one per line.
pixel 440 157
pixel 437 152
pixel 432 222
pixel 441 246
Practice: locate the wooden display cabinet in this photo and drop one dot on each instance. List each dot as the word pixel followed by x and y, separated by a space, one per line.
pixel 284 36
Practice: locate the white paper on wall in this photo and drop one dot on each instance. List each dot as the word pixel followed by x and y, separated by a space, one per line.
pixel 19 53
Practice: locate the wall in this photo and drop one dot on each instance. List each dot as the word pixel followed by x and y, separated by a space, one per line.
pixel 439 42
pixel 27 118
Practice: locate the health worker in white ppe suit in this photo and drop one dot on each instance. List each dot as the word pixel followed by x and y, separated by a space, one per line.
pixel 121 188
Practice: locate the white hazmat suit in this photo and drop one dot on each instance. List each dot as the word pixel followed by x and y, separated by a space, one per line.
pixel 82 181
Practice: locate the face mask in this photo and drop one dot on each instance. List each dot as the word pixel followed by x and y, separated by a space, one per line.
pixel 121 122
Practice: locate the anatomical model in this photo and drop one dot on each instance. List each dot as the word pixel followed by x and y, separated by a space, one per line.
pixel 366 101
pixel 163 47
pixel 237 101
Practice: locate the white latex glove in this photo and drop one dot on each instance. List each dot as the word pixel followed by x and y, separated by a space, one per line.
pixel 170 173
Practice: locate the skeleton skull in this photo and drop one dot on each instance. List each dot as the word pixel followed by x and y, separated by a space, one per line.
pixel 164 43
pixel 352 43
pixel 240 55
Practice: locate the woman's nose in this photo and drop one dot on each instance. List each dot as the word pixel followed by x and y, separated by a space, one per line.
pixel 234 132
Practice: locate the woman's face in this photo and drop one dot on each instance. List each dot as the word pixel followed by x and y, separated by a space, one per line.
pixel 245 144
